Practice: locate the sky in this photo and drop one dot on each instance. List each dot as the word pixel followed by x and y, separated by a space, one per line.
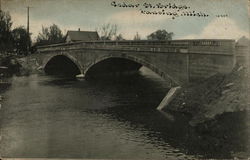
pixel 88 15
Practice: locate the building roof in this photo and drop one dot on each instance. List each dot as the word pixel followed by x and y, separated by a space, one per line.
pixel 83 35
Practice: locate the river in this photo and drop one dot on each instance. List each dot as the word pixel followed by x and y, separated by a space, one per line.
pixel 50 117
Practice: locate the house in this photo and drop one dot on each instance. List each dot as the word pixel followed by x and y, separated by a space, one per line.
pixel 75 36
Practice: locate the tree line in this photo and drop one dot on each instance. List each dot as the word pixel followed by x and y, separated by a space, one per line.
pixel 18 40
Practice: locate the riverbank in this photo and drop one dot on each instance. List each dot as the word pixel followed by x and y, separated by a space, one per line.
pixel 215 96
pixel 12 65
pixel 8 67
pixel 219 109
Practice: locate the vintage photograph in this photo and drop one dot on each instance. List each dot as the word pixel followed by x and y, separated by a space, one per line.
pixel 124 79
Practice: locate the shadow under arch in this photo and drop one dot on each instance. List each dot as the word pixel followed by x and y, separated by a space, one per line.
pixel 62 64
pixel 135 61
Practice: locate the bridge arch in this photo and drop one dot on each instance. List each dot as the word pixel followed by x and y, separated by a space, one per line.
pixel 135 60
pixel 66 58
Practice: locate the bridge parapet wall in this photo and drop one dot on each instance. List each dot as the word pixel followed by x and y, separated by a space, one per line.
pixel 225 47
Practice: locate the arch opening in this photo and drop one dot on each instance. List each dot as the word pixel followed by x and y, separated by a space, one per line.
pixel 61 65
pixel 111 67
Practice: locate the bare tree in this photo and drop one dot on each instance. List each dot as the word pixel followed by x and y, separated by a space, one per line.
pixel 119 37
pixel 50 35
pixel 137 37
pixel 107 31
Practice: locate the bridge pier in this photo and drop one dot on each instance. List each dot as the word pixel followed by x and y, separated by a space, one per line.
pixel 169 97
pixel 81 76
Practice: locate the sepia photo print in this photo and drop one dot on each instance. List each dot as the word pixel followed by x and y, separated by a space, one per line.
pixel 124 79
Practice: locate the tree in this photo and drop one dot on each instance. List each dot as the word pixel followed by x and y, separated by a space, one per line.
pixel 160 35
pixel 21 40
pixel 107 31
pixel 50 35
pixel 119 37
pixel 137 37
pixel 5 31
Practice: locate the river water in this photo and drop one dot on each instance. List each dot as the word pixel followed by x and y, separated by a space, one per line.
pixel 45 116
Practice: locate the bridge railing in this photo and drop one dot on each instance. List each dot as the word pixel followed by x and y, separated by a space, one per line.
pixel 196 42
pixel 193 46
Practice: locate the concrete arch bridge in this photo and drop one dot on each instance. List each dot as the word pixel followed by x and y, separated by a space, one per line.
pixel 181 61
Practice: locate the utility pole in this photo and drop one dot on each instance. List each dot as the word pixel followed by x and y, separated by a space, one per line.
pixel 28 28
